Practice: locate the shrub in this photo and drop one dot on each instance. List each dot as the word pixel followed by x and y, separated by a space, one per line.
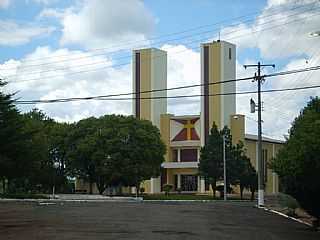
pixel 288 201
pixel 142 190
pixel 167 188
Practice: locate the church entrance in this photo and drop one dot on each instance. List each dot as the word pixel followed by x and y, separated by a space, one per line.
pixel 189 183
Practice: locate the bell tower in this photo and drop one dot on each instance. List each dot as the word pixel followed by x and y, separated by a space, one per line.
pixel 149 73
pixel 218 63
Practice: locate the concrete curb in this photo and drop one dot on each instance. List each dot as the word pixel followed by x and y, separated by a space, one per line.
pixel 205 201
pixel 71 200
pixel 284 215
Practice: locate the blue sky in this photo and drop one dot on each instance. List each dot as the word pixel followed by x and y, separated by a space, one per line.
pixel 171 17
pixel 43 43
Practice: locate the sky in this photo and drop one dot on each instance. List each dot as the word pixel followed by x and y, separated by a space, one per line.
pixel 78 48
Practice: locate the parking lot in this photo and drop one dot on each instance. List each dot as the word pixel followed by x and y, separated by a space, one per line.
pixel 145 220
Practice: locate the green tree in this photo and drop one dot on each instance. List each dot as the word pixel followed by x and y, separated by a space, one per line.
pixel 83 138
pixel 211 158
pixel 115 150
pixel 233 157
pixel 238 166
pixel 247 176
pixel 13 150
pixel 298 162
pixel 143 151
pixel 47 146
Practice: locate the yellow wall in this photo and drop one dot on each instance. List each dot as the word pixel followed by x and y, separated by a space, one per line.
pixel 251 152
pixel 85 186
pixel 145 83
pixel 237 128
pixel 165 134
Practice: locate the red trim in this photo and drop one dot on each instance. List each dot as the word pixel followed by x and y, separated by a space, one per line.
pixel 183 134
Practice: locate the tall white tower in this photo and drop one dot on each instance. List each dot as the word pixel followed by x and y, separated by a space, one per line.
pixel 218 63
pixel 149 73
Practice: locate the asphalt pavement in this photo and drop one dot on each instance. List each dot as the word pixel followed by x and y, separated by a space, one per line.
pixel 145 220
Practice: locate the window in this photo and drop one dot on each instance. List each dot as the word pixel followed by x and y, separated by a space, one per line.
pixel 230 54
pixel 189 155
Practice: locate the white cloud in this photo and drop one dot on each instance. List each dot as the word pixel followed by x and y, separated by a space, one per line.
pixel 275 3
pixel 281 38
pixel 51 13
pixel 67 84
pixel 279 34
pixel 183 69
pixel 13 34
pixel 100 23
pixel 4 3
pixel 280 108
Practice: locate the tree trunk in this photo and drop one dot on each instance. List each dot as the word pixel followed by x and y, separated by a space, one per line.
pixel 101 187
pixel 8 186
pixel 214 187
pixel 241 191
pixel 252 194
pixel 4 185
pixel 90 186
pixel 137 189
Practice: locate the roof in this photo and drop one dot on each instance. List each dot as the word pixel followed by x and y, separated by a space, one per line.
pixel 264 139
pixel 184 117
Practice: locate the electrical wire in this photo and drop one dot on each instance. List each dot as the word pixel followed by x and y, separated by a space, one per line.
pixel 129 56
pixel 127 63
pixel 108 97
pixel 172 34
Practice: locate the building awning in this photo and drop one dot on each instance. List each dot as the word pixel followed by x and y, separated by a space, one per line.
pixel 180 165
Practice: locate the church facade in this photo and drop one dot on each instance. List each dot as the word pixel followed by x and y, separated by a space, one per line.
pixel 185 135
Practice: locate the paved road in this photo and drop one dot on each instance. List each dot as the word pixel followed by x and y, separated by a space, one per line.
pixel 145 220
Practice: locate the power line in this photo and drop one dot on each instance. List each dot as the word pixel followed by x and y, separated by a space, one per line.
pixel 107 97
pixel 169 97
pixel 149 91
pixel 173 34
pixel 127 63
pixel 314 68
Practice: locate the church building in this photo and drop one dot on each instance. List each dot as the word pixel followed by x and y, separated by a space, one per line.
pixel 185 135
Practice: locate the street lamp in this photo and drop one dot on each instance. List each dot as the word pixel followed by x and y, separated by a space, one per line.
pixel 314 34
pixel 55 167
pixel 224 170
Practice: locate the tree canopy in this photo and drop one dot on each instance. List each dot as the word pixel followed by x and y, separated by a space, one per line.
pixel 115 150
pixel 109 151
pixel 298 162
pixel 238 166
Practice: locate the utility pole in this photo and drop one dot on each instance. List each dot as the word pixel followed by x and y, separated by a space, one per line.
pixel 224 170
pixel 260 80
